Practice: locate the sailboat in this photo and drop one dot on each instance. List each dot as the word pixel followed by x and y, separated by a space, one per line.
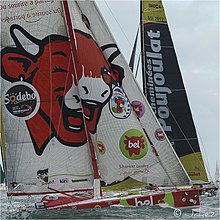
pixel 2 181
pixel 216 177
pixel 70 126
pixel 164 89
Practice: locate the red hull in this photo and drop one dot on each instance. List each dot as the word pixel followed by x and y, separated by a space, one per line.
pixel 175 198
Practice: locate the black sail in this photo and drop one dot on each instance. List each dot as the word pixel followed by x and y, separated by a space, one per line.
pixel 164 88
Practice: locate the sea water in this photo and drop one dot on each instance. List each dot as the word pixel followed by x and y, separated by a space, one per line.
pixel 209 209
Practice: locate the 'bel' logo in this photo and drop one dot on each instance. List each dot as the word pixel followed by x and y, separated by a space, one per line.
pixel 134 145
pixel 145 202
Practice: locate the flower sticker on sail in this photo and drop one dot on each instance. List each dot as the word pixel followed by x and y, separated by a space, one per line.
pixel 133 144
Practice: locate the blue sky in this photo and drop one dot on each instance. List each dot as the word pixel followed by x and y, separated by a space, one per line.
pixel 194 27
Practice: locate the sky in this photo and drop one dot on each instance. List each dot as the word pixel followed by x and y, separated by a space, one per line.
pixel 194 27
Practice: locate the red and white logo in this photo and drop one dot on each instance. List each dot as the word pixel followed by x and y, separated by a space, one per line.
pixel 159 134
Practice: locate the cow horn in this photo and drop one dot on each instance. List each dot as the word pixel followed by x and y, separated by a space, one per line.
pixel 23 40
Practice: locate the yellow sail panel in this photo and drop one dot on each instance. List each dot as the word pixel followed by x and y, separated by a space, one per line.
pixel 194 166
pixel 153 11
pixel 126 184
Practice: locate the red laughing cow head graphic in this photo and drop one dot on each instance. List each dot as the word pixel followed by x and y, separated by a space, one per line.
pixel 134 144
pixel 120 104
pixel 67 85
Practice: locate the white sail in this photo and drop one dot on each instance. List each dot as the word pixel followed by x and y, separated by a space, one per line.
pixel 115 129
pixel 43 126
pixel 53 80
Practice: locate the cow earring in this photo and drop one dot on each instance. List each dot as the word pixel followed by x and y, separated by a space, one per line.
pixel 21 77
pixel 119 104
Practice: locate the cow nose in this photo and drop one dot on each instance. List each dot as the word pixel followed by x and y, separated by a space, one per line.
pixel 93 89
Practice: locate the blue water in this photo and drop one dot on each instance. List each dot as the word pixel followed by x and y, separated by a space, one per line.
pixel 209 210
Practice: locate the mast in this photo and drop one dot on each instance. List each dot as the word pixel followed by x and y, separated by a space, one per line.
pixel 97 187
pixel 132 58
pixel 163 86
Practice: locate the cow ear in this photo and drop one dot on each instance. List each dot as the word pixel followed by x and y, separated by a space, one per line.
pixel 16 66
pixel 118 73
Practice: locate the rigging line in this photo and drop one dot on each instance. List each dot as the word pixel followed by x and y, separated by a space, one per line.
pixel 120 27
pixel 48 25
pixel 94 156
pixel 17 160
pixel 118 23
pixel 157 160
pixel 51 103
pixel 157 156
pixel 61 192
pixel 64 193
pixel 145 89
pixel 133 53
pixel 20 156
pixel 51 84
pixel 65 89
pixel 184 139
pixel 47 162
pixel 202 165
pixel 137 68
pixel 89 141
pixel 168 47
pixel 69 195
pixel 2 132
pixel 51 89
pixel 3 146
pixel 187 140
pixel 74 52
pixel 206 157
pixel 143 67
